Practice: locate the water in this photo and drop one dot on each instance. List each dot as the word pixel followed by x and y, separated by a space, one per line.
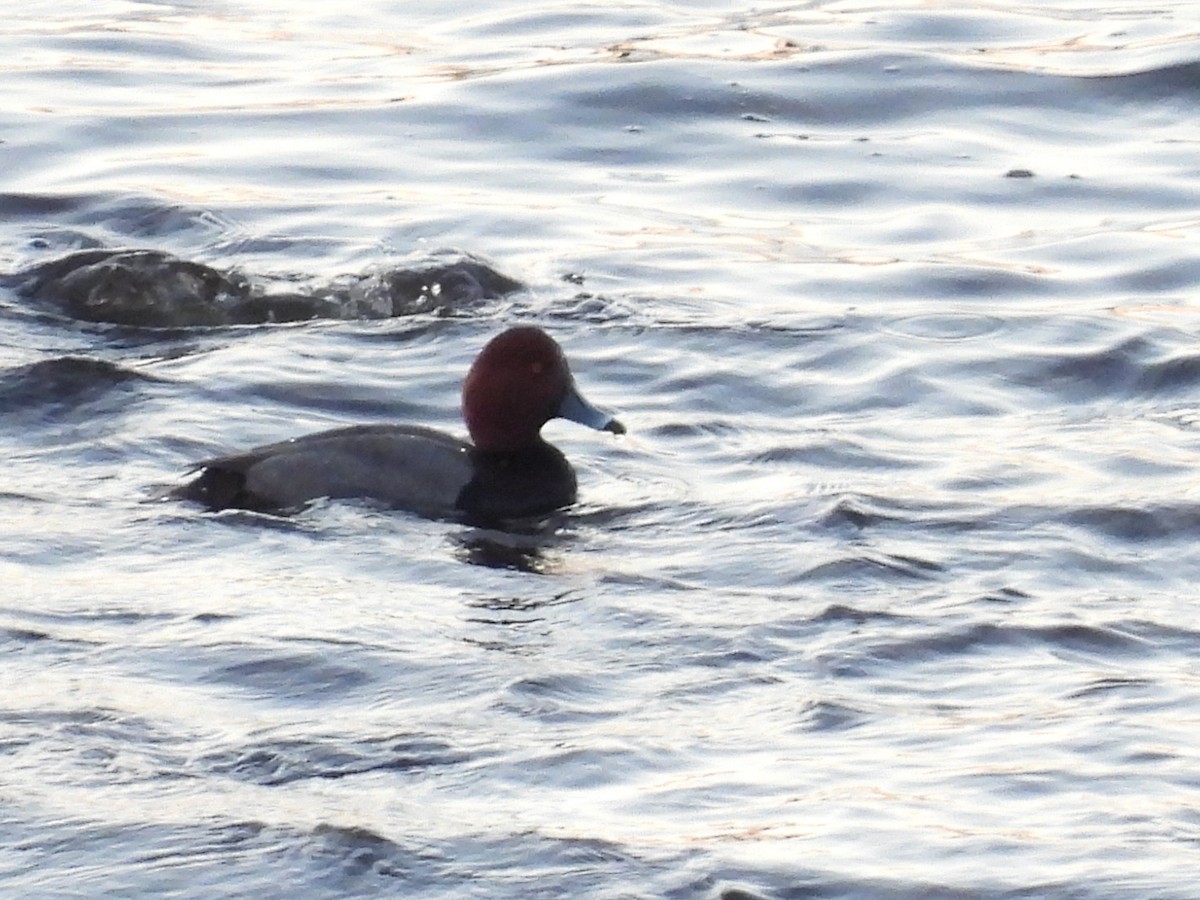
pixel 888 592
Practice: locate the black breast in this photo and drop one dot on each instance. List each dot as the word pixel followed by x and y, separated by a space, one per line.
pixel 512 485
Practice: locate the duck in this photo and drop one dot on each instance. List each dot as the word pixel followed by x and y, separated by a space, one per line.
pixel 506 470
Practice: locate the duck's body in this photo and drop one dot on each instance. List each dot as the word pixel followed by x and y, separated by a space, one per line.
pixel 519 381
pixel 406 466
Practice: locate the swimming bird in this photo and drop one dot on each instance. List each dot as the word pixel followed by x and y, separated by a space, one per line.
pixel 519 381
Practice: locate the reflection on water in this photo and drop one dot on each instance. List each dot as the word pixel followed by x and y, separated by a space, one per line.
pixel 530 547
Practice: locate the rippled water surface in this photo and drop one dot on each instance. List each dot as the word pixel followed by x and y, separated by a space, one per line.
pixel 889 591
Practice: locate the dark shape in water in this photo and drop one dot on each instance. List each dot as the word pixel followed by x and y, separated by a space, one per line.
pixel 145 288
pixel 462 281
pixel 154 289
pixel 64 380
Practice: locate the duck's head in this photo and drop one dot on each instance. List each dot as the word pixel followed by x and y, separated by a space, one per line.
pixel 520 381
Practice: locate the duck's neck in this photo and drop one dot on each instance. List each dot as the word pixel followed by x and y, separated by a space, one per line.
pixel 510 484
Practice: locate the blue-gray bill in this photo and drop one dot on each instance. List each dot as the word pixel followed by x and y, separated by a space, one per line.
pixel 577 409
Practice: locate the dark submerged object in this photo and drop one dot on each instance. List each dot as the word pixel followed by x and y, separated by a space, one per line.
pixel 62 383
pixel 155 289
pixel 518 382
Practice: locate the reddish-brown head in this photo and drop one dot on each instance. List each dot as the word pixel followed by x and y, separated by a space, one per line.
pixel 519 381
